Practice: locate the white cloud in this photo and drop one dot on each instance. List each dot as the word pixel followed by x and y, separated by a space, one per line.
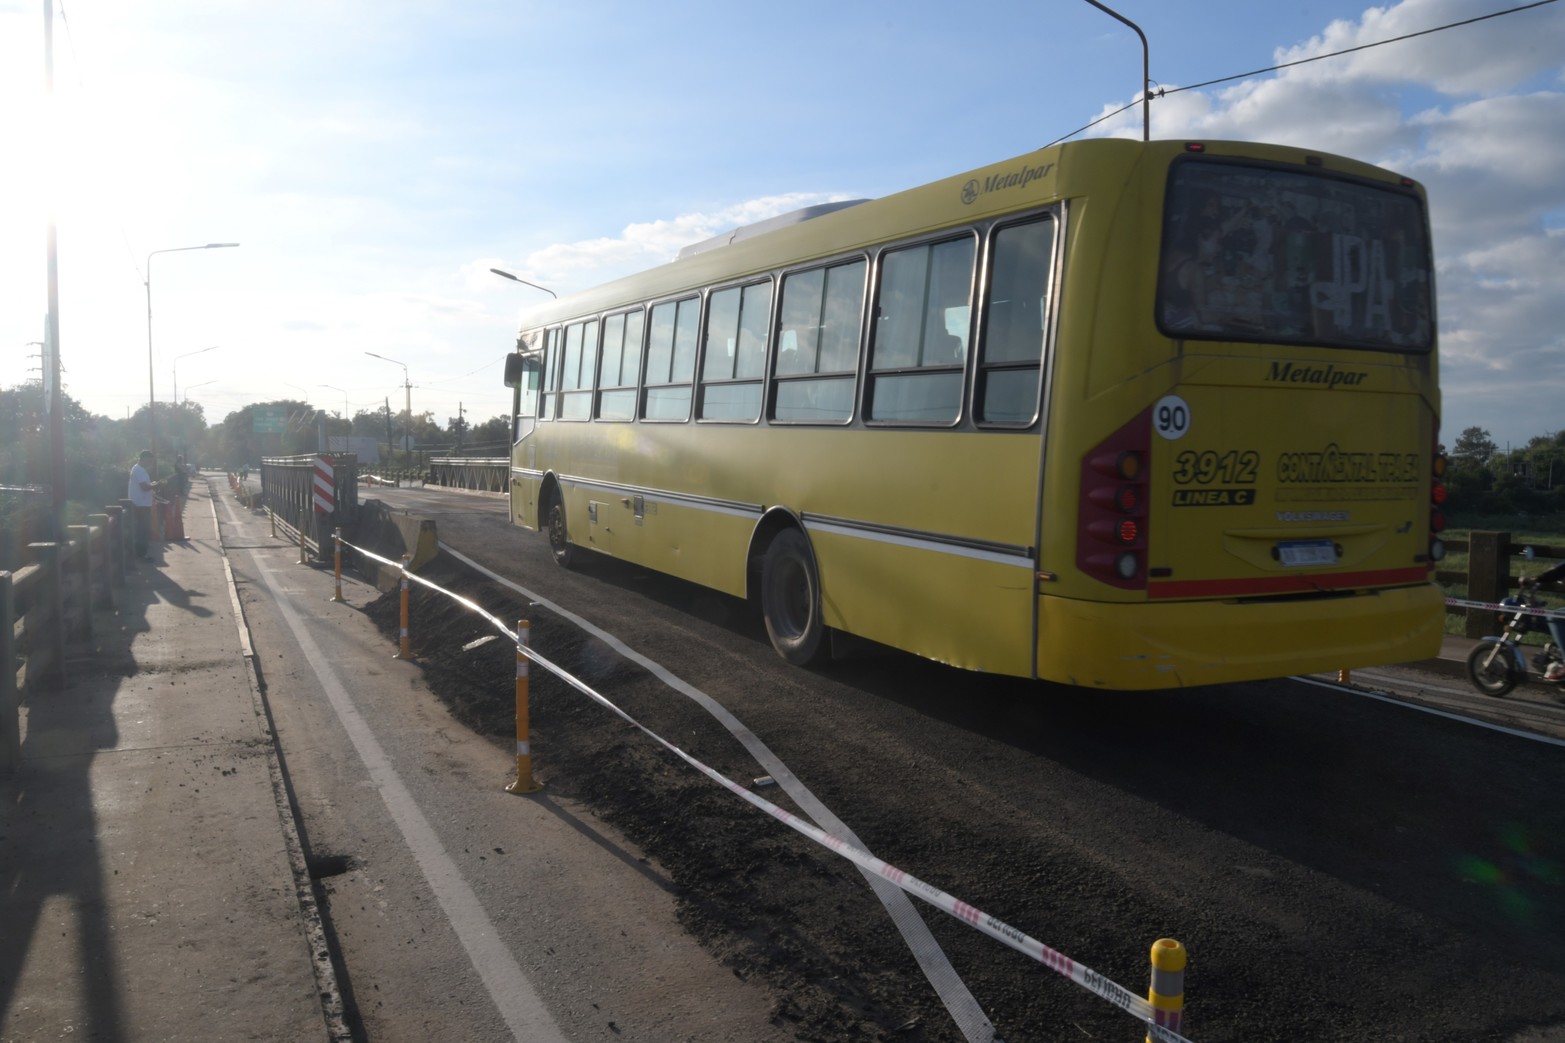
pixel 645 244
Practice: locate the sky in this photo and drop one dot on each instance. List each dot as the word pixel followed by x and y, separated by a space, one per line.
pixel 375 160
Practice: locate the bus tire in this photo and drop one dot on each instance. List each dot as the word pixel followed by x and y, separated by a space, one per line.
pixel 559 538
pixel 791 599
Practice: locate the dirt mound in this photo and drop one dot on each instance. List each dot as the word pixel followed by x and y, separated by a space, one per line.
pixel 763 899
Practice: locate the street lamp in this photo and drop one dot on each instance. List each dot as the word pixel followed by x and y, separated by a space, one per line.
pixel 152 400
pixel 345 415
pixel 407 432
pixel 186 355
pixel 524 282
pixel 203 384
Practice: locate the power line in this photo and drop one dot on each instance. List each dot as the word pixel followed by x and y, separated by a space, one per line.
pixel 1162 93
pixel 1362 47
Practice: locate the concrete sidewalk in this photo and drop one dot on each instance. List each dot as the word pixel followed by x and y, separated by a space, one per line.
pixel 147 878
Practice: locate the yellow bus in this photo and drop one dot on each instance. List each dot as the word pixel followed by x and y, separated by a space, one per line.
pixel 1114 414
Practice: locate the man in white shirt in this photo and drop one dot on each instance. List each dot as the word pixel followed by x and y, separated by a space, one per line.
pixel 140 492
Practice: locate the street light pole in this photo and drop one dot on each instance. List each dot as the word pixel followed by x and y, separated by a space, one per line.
pixel 186 355
pixel 524 282
pixel 407 387
pixel 203 384
pixel 152 400
pixel 1146 68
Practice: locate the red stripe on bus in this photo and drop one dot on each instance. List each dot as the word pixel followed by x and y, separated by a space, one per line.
pixel 1194 588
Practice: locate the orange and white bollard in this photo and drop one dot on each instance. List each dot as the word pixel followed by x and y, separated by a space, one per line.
pixel 301 542
pixel 524 756
pixel 336 535
pixel 1167 994
pixel 405 646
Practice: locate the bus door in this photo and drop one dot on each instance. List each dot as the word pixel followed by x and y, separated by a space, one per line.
pixel 523 375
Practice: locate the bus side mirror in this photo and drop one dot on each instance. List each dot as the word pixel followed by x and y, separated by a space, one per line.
pixel 513 371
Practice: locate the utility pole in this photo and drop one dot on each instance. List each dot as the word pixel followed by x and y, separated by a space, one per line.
pixel 54 400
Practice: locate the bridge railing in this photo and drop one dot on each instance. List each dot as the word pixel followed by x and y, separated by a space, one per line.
pixel 288 492
pixel 486 473
pixel 43 601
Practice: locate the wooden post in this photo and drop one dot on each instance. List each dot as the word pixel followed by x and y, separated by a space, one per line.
pixel 119 550
pixel 1488 579
pixel 47 618
pixel 81 547
pixel 101 539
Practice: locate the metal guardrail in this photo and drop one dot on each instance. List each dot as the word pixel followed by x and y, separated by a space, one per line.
pixel 486 473
pixel 288 492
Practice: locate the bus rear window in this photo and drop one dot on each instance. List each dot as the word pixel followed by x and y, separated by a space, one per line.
pixel 1268 254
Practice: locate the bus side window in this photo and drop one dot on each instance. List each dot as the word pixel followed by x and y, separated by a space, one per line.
pixel 551 374
pixel 822 318
pixel 1011 354
pixel 671 359
pixel 735 352
pixel 621 365
pixel 581 360
pixel 920 333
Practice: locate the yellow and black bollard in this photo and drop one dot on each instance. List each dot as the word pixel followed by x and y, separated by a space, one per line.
pixel 336 535
pixel 405 646
pixel 1167 994
pixel 524 756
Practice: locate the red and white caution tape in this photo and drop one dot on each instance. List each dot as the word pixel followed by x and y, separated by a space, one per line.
pixel 1547 613
pixel 999 930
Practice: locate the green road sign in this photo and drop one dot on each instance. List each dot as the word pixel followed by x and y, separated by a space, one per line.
pixel 270 420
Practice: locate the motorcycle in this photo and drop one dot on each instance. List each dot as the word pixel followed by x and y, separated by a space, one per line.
pixel 1497 664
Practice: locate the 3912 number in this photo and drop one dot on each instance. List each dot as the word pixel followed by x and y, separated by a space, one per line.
pixel 1234 467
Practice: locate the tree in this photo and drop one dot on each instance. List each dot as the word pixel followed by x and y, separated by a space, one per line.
pixel 490 438
pixel 1474 446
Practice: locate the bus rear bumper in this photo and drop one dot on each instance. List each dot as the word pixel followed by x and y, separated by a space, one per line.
pixel 1175 645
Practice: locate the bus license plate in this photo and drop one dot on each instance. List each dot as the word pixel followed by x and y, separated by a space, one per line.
pixel 1307 552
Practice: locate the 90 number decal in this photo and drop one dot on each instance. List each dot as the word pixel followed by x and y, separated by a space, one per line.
pixel 1171 417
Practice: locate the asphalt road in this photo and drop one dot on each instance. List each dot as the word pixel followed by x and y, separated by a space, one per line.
pixel 458 911
pixel 1341 864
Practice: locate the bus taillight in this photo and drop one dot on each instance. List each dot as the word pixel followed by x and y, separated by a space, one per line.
pixel 1111 531
pixel 1437 496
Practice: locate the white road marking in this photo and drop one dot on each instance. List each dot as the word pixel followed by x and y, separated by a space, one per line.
pixel 508 986
pixel 1448 715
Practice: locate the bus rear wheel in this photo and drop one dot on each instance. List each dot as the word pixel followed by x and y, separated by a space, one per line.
pixel 559 543
pixel 791 599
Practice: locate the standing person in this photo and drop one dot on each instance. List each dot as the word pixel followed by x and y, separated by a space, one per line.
pixel 140 492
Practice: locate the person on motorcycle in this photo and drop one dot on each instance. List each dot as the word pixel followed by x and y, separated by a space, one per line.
pixel 1556 670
